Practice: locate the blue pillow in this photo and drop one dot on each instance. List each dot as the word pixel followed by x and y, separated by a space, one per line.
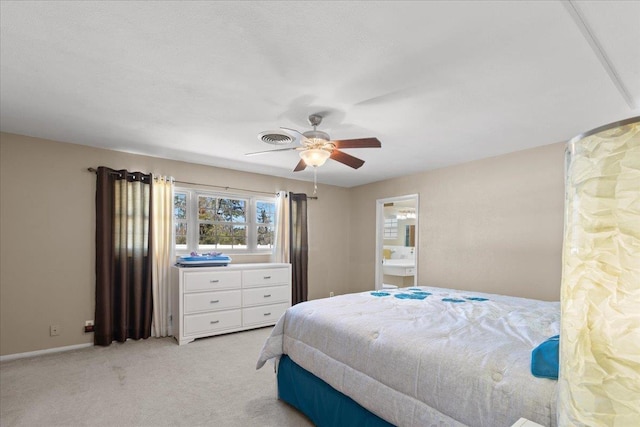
pixel 411 296
pixel 453 300
pixel 380 294
pixel 545 359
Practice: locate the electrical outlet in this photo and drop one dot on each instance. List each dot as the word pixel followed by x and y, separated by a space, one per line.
pixel 88 326
pixel 330 294
pixel 54 330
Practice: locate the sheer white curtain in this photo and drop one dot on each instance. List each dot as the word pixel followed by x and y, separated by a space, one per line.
pixel 162 229
pixel 283 217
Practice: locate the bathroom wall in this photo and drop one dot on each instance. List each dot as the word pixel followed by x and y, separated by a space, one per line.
pixel 493 225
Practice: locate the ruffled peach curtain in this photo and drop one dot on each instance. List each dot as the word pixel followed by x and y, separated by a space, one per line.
pixel 599 383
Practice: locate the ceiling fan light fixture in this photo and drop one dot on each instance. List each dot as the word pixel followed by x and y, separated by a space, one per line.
pixel 315 156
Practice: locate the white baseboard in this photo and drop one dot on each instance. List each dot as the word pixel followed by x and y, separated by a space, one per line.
pixel 41 352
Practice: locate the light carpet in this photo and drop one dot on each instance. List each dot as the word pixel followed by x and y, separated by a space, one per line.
pixel 153 382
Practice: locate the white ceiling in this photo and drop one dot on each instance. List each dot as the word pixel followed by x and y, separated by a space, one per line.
pixel 439 83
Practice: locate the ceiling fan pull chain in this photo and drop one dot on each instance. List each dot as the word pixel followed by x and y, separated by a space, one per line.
pixel 315 180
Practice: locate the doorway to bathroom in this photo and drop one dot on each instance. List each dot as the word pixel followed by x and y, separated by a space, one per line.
pixel 397 242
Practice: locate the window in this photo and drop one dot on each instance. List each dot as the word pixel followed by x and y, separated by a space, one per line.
pixel 390 228
pixel 180 219
pixel 207 221
pixel 222 223
pixel 265 223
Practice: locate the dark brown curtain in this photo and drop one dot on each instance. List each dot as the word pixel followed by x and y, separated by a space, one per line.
pixel 123 264
pixel 299 247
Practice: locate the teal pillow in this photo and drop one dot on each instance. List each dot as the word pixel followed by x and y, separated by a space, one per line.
pixel 545 359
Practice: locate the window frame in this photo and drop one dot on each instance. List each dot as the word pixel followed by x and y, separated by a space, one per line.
pixel 193 222
pixel 390 228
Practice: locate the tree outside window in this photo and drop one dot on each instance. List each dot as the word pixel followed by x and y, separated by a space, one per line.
pixel 180 219
pixel 266 219
pixel 222 223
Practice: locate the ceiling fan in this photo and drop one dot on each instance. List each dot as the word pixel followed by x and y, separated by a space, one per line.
pixel 316 146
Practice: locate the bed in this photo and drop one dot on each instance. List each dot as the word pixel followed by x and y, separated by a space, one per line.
pixel 416 356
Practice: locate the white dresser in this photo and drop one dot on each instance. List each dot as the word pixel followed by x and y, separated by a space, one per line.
pixel 216 300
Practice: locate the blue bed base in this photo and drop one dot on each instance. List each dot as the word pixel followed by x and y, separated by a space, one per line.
pixel 324 405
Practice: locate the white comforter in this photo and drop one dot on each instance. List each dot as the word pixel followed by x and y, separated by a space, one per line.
pixel 431 361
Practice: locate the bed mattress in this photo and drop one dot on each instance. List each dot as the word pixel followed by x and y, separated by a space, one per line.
pixel 426 356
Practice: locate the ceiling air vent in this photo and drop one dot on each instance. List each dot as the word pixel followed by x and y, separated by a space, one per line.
pixel 276 137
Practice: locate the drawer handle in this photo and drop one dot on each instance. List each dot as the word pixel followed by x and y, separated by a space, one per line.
pixel 267 296
pixel 214 281
pixel 215 301
pixel 267 314
pixel 267 277
pixel 213 322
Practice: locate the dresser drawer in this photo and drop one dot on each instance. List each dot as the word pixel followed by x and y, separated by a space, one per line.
pixel 211 322
pixel 263 315
pixel 195 281
pixel 265 277
pixel 266 295
pixel 207 301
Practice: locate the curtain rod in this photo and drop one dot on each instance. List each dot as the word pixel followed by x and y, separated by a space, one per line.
pixel 218 186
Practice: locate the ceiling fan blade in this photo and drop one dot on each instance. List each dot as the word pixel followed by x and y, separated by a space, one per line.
pixel 346 159
pixel 295 132
pixel 271 151
pixel 300 166
pixel 358 143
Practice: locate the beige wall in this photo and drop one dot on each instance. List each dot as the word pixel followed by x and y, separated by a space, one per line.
pixel 47 232
pixel 493 225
